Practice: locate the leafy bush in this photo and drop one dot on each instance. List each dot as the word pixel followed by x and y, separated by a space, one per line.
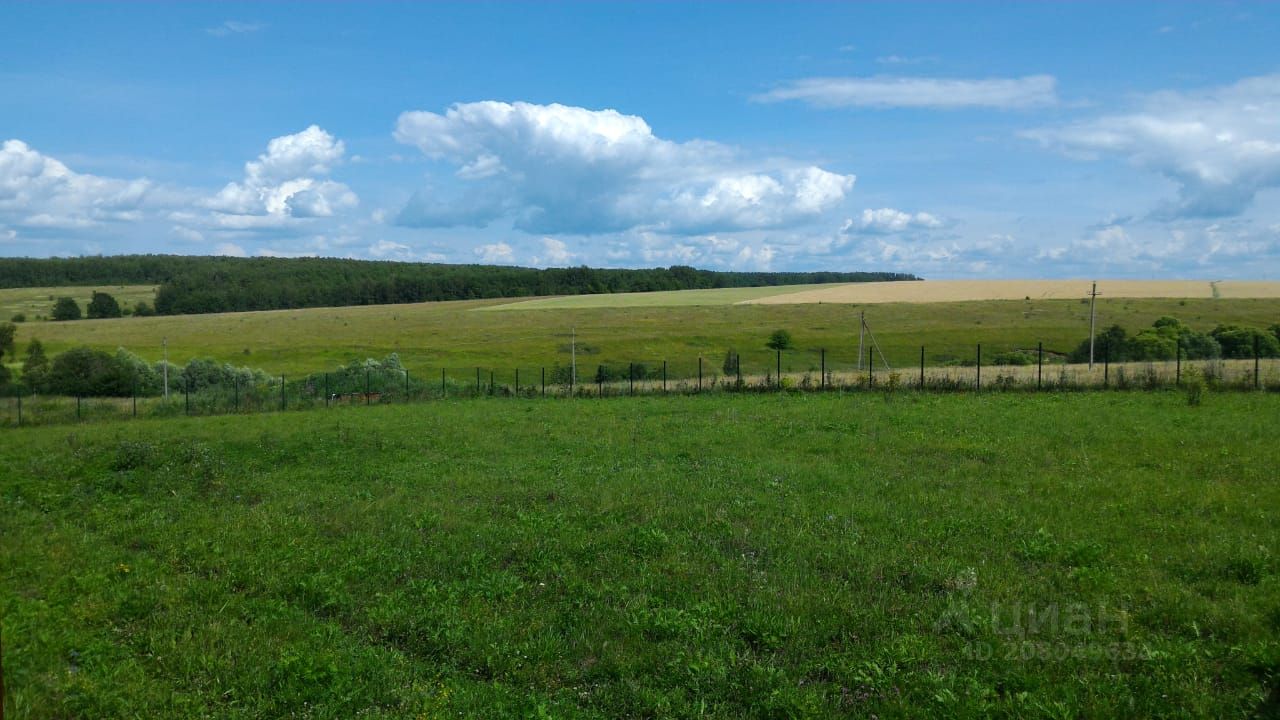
pixel 102 305
pixel 18 317
pixel 1239 342
pixel 7 332
pixel 732 362
pixel 779 340
pixel 85 372
pixel 1158 342
pixel 65 309
pixel 203 373
pixel 1013 357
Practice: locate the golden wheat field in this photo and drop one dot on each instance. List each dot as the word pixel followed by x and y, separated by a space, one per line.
pixel 957 290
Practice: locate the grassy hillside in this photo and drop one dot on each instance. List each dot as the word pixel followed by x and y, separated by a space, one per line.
pixel 465 335
pixel 814 556
pixel 662 298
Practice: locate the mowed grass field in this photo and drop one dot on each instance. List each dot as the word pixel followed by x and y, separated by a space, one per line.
pixel 38 302
pixel 468 334
pixel 1081 555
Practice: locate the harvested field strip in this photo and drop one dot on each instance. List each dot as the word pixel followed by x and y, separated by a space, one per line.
pixel 931 291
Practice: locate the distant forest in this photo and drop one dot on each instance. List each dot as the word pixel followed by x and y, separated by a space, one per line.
pixel 197 284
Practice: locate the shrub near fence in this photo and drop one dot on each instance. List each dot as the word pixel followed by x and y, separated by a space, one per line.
pixel 378 382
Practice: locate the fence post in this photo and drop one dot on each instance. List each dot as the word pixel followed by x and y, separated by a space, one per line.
pixel 979 383
pixel 517 382
pixel 871 370
pixel 631 378
pixel 737 365
pixel 544 382
pixel 1177 372
pixel 1257 379
pixel 599 381
pixel 19 408
pixel 368 388
pixel 823 383
pixel 282 392
pixel 406 385
pixel 326 392
pixel 134 393
pixel 699 373
pixel 1039 364
pixel 664 376
pixel 186 393
pixel 779 369
pixel 921 367
pixel 442 385
pixel 477 382
pixel 493 389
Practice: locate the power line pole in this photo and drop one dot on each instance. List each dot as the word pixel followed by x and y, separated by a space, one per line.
pixel 1093 299
pixel 165 343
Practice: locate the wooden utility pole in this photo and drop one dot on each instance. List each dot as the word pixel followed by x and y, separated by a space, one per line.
pixel 1093 299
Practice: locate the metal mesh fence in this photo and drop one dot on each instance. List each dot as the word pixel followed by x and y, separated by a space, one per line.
pixel 989 369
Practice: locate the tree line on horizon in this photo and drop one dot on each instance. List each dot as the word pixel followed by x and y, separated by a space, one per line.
pixel 210 284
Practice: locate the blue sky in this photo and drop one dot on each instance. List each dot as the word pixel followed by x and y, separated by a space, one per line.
pixel 950 140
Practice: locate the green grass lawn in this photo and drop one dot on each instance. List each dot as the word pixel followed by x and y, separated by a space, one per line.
pixel 1100 555
pixel 37 303
pixel 463 335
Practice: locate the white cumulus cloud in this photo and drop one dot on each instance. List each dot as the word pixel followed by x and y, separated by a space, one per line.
pixel 562 169
pixel 918 92
pixel 555 253
pixel 889 220
pixel 38 191
pixel 1221 145
pixel 285 182
pixel 495 253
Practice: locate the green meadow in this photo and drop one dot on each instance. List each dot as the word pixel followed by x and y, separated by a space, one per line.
pixel 37 303
pixel 501 334
pixel 758 556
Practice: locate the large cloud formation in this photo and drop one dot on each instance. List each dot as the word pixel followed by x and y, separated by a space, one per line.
pixel 285 182
pixel 562 169
pixel 1220 145
pixel 38 193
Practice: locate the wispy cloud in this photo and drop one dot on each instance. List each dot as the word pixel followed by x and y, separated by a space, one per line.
pixel 234 27
pixel 905 60
pixel 1220 144
pixel 918 92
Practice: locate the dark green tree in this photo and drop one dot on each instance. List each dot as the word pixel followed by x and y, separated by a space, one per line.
pixel 35 366
pixel 1239 342
pixel 103 305
pixel 85 372
pixel 779 340
pixel 7 331
pixel 65 309
pixel 731 362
